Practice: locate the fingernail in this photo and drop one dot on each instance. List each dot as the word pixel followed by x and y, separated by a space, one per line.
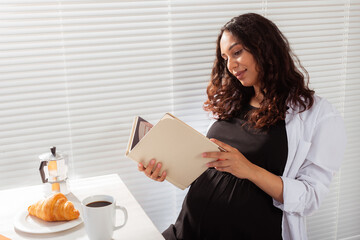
pixel 159 165
pixel 152 161
pixel 204 154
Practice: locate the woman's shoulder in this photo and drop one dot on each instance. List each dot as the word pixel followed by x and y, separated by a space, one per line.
pixel 321 116
pixel 320 110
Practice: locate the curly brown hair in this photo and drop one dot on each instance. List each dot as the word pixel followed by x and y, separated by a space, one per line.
pixel 282 83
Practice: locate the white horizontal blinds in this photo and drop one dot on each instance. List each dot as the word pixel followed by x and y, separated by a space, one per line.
pixel 117 67
pixel 195 26
pixel 117 62
pixel 349 208
pixel 33 103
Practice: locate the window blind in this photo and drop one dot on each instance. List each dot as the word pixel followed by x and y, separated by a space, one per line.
pixel 33 100
pixel 74 74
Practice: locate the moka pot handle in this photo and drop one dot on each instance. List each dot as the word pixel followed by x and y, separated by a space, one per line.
pixel 42 173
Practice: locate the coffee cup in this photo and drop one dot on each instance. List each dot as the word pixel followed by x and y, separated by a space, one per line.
pixel 99 215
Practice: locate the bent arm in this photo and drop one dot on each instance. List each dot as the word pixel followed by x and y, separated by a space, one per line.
pixel 304 193
pixel 268 182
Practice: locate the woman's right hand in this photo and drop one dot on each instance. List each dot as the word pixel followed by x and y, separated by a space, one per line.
pixel 152 174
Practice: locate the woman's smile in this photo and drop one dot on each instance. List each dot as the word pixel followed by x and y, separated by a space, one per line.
pixel 240 74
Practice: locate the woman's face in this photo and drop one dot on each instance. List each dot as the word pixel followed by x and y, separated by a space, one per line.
pixel 239 61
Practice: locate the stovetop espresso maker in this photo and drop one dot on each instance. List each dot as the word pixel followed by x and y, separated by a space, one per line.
pixel 53 171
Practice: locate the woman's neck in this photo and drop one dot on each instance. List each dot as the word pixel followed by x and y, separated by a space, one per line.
pixel 257 98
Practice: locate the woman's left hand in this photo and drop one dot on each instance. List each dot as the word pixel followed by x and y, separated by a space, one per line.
pixel 231 161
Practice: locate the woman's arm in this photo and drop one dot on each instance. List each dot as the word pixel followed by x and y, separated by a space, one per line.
pixel 235 163
pixel 308 179
pixel 268 182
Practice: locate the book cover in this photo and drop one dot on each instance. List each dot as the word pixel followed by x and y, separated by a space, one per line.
pixel 173 143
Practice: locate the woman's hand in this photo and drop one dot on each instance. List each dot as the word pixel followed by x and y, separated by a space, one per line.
pixel 237 164
pixel 153 174
pixel 231 161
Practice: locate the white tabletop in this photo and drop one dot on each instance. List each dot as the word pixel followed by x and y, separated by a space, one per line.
pixel 139 226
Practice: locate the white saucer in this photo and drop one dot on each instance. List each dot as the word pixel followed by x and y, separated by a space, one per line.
pixel 30 224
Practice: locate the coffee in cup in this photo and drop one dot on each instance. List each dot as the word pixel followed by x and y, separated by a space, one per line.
pixel 99 214
pixel 98 204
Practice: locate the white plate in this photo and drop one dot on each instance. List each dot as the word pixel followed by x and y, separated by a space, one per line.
pixel 30 224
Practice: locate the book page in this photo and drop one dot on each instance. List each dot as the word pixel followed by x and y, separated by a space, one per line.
pixel 141 129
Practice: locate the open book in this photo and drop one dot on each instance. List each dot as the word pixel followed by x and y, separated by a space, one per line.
pixel 173 143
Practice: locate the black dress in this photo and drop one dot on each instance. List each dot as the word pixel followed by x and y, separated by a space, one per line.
pixel 221 206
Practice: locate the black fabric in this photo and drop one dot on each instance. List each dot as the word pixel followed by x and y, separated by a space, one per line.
pixel 222 206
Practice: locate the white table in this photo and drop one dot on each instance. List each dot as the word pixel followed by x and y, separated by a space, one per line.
pixel 139 226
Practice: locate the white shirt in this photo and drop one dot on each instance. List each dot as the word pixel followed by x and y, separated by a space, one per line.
pixel 316 145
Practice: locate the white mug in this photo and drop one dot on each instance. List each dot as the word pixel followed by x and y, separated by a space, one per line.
pixel 99 214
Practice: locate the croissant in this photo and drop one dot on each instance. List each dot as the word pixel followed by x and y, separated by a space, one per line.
pixel 54 208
